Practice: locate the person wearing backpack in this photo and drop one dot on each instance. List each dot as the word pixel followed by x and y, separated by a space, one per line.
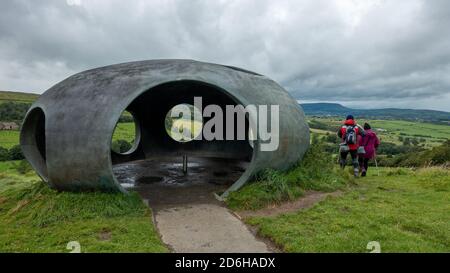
pixel 350 133
pixel 369 142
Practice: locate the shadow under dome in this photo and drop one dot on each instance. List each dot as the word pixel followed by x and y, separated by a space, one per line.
pixel 150 110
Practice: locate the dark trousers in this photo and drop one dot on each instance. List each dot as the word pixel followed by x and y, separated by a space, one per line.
pixel 364 163
pixel 353 154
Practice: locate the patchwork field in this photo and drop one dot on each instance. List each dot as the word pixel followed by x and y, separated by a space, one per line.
pixel 393 130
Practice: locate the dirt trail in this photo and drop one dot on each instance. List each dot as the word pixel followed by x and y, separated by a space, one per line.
pixel 188 216
pixel 308 200
pixel 208 226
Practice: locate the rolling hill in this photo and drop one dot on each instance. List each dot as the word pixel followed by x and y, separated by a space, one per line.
pixel 335 109
pixel 311 109
pixel 17 96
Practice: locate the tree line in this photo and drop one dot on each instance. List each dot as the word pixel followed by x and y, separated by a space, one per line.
pixel 13 111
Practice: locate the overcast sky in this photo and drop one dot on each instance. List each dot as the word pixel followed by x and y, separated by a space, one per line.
pixel 364 54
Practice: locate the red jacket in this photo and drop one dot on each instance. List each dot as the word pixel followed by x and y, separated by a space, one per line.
pixel 343 130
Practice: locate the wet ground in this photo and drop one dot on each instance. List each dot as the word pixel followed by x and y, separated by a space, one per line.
pixel 162 181
pixel 187 215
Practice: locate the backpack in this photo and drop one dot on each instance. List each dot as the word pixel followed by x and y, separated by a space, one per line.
pixel 350 135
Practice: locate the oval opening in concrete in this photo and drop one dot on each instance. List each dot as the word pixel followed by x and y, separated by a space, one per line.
pixel 160 155
pixel 126 135
pixel 33 140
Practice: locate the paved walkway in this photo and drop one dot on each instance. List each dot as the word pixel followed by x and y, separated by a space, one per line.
pixel 205 228
pixel 188 216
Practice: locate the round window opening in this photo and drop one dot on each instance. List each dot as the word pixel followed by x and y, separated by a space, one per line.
pixel 126 135
pixel 184 122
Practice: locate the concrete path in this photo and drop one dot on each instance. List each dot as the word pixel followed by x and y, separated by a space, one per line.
pixel 205 228
pixel 187 215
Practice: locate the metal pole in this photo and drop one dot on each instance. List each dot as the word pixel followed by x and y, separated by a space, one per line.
pixel 376 164
pixel 185 163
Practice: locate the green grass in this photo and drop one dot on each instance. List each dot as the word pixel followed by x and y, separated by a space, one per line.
pixel 17 96
pixel 124 131
pixel 433 134
pixel 35 218
pixel 404 210
pixel 316 171
pixel 418 129
pixel 9 138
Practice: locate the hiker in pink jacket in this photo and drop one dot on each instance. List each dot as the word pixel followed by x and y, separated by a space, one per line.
pixel 370 143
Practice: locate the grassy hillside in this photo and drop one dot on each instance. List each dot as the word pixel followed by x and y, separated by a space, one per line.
pixel 385 208
pixel 17 96
pixel 403 210
pixel 316 171
pixel 413 129
pixel 390 130
pixel 9 138
pixel 382 207
pixel 335 109
pixel 34 218
pixel 14 105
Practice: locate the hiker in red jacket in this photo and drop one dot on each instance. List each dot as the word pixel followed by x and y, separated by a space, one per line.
pixel 369 142
pixel 349 133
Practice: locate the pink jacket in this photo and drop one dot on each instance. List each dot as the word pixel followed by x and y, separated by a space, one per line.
pixel 370 142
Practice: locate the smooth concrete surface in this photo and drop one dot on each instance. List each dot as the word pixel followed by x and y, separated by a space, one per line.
pixel 205 228
pixel 187 214
pixel 67 132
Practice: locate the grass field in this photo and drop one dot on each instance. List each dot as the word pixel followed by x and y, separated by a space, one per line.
pixel 316 171
pixel 403 210
pixel 9 138
pixel 125 131
pixel 17 96
pixel 391 130
pixel 413 129
pixel 34 218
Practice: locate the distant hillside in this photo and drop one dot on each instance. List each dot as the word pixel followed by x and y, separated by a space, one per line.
pixel 14 105
pixel 17 96
pixel 335 109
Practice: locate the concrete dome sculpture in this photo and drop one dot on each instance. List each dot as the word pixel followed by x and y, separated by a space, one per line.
pixel 67 132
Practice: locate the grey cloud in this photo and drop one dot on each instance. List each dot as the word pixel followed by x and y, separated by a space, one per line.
pixel 389 50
